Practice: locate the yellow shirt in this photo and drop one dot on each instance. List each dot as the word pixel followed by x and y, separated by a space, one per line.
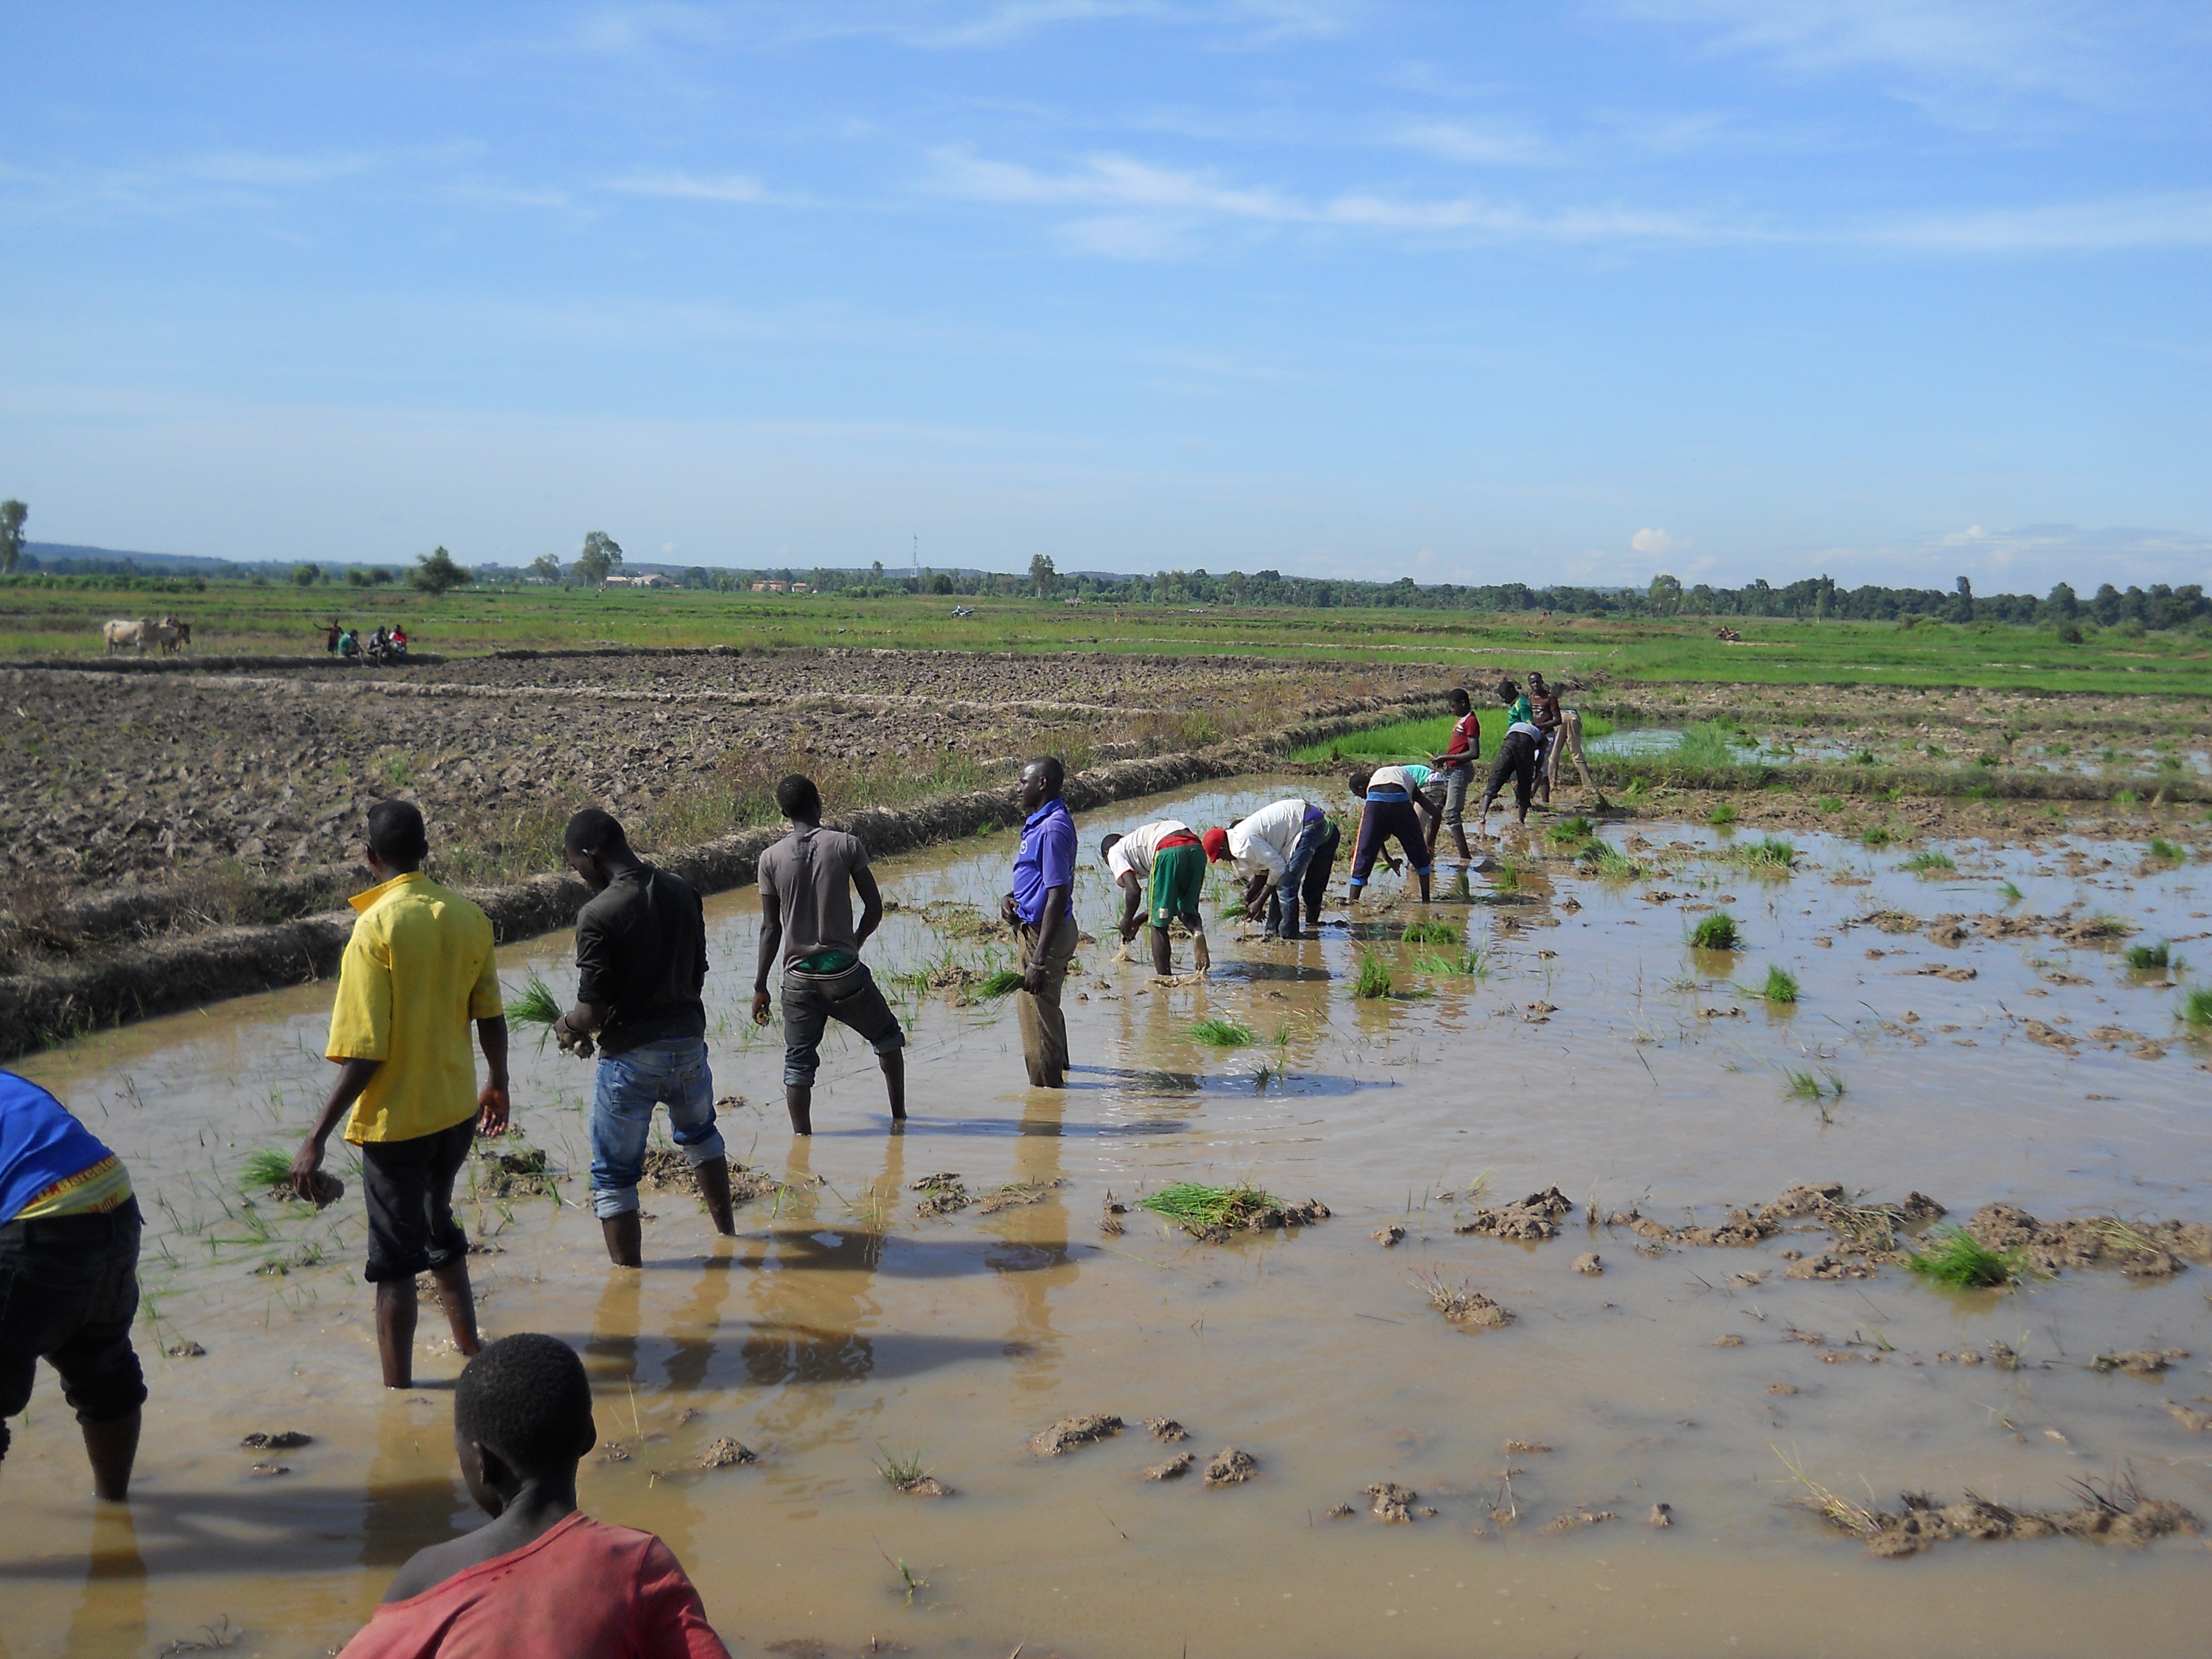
pixel 417 969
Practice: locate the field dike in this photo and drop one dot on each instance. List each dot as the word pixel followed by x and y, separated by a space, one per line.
pixel 50 1004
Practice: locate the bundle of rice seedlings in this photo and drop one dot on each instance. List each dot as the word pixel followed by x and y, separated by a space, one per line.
pixel 2009 892
pixel 534 1004
pixel 1955 1257
pixel 2169 852
pixel 1005 982
pixel 266 1168
pixel 1808 1085
pixel 1770 852
pixel 2143 958
pixel 1722 816
pixel 1838 1510
pixel 1610 864
pixel 2197 1007
pixel 1779 986
pixel 1877 836
pixel 1200 1210
pixel 1427 931
pixel 1718 931
pixel 1575 829
pixel 1373 978
pixel 1506 878
pixel 1469 963
pixel 1927 862
pixel 1222 1033
pixel 2101 926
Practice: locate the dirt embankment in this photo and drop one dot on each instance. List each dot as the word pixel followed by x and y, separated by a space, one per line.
pixel 168 945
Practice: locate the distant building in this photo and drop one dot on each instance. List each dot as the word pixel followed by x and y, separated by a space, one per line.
pixel 772 587
pixel 800 588
pixel 638 581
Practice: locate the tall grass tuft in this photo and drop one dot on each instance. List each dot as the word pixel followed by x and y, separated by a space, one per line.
pixel 1220 1033
pixel 1372 981
pixel 1718 931
pixel 1428 930
pixel 1779 986
pixel 1930 862
pixel 2197 1007
pixel 1722 816
pixel 2167 851
pixel 1876 836
pixel 1610 864
pixel 1769 853
pixel 1955 1257
pixel 2147 959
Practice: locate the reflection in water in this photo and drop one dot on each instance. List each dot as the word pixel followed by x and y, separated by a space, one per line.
pixel 1034 1265
pixel 112 1617
pixel 410 1506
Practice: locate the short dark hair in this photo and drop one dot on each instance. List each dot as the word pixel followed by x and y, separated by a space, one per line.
pixel 594 829
pixel 526 1398
pixel 1106 847
pixel 1458 697
pixel 1536 679
pixel 796 797
pixel 1508 690
pixel 395 833
pixel 1054 772
pixel 1359 782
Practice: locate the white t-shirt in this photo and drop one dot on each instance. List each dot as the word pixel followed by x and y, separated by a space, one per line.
pixel 1132 853
pixel 1266 840
pixel 1393 777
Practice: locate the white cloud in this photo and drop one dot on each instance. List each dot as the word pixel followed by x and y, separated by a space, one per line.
pixel 1488 145
pixel 1657 542
pixel 2178 219
pixel 690 187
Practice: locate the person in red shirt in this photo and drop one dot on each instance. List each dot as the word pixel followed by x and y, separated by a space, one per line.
pixel 1457 764
pixel 542 1580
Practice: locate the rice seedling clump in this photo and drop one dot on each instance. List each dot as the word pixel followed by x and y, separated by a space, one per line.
pixel 1957 1258
pixel 535 1004
pixel 2143 958
pixel 1005 982
pixel 1373 980
pixel 1929 862
pixel 1212 1213
pixel 2169 852
pixel 1427 931
pixel 1779 986
pixel 1722 816
pixel 2197 1007
pixel 1718 931
pixel 1223 1033
pixel 266 1168
pixel 1575 829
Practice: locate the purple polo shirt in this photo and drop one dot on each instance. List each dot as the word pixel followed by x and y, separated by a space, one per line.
pixel 1046 859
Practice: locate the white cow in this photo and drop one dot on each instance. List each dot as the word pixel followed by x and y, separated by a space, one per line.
pixel 121 633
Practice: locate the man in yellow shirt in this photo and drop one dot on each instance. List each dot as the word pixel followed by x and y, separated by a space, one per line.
pixel 417 969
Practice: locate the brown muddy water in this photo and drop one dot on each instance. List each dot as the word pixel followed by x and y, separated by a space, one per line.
pixel 839 1328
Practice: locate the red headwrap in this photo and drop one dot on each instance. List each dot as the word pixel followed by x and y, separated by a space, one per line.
pixel 1216 842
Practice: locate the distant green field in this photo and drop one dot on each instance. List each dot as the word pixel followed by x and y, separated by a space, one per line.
pixel 1455 648
pixel 1418 740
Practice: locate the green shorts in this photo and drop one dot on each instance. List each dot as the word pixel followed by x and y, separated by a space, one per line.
pixel 1178 882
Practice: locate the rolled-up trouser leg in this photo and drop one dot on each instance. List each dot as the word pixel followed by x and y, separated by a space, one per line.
pixel 1044 1028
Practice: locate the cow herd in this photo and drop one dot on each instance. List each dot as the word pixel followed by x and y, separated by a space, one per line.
pixel 167 635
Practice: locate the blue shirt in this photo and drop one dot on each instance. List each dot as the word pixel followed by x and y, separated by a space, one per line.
pixel 1046 859
pixel 50 1163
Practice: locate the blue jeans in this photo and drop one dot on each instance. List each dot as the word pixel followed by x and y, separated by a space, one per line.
pixel 628 1087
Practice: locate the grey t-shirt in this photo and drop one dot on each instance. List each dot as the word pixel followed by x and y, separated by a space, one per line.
pixel 810 874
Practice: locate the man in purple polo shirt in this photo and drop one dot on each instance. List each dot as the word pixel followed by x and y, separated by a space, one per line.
pixel 1039 913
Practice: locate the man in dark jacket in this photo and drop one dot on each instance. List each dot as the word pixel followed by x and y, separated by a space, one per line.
pixel 640 960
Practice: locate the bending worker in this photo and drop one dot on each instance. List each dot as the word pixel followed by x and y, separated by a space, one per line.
pixel 1388 797
pixel 1283 851
pixel 1161 871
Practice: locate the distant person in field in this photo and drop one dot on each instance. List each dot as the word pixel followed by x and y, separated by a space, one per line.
pixel 640 961
pixel 1456 765
pixel 69 1277
pixel 807 881
pixel 1285 851
pixel 1040 912
pixel 417 969
pixel 542 1579
pixel 1386 797
pixel 1161 869
pixel 331 635
pixel 1563 735
pixel 1518 757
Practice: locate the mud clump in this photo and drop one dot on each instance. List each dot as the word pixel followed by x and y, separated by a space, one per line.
pixel 925 1486
pixel 1173 1469
pixel 1069 1432
pixel 1531 1219
pixel 1662 1515
pixel 941 1194
pixel 1828 1267
pixel 1576 1519
pixel 1387 1236
pixel 2146 1363
pixel 513 1174
pixel 1393 1503
pixel 1588 1264
pixel 725 1454
pixel 288 1440
pixel 1017 1193
pixel 1525 1447
pixel 1461 1304
pixel 1864 1230
pixel 2151 1250
pixel 2117 1513
pixel 1166 1428
pixel 1230 1467
pixel 1731 1340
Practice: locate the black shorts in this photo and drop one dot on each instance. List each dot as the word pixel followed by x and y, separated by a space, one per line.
pixel 409 1185
pixel 69 1290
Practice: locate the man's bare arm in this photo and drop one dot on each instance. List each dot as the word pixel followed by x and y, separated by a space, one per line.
pixel 871 904
pixel 771 946
pixel 353 1077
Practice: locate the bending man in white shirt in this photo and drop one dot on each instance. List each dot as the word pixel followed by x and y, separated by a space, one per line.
pixel 1285 849
pixel 1161 871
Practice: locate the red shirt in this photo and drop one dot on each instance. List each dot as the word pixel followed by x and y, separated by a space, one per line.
pixel 583 1590
pixel 1466 738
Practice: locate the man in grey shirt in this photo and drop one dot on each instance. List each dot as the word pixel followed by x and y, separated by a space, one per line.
pixel 807 885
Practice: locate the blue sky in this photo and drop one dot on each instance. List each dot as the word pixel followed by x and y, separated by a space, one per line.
pixel 1894 290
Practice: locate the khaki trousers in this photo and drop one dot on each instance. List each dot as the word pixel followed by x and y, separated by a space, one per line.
pixel 1044 1028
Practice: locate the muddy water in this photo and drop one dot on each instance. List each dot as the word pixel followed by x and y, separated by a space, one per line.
pixel 838 1327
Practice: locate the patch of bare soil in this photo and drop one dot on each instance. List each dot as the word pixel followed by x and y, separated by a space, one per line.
pixel 1866 1230
pixel 1166 1428
pixel 1173 1469
pixel 2116 1513
pixel 1069 1432
pixel 1389 1502
pixel 1462 1304
pixel 1532 1219
pixel 510 1174
pixel 1016 1194
pixel 2149 1364
pixel 725 1454
pixel 925 1486
pixel 1576 1519
pixel 942 1194
pixel 2139 1250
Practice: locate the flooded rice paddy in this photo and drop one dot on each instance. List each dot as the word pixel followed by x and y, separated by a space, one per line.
pixel 1592 1050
